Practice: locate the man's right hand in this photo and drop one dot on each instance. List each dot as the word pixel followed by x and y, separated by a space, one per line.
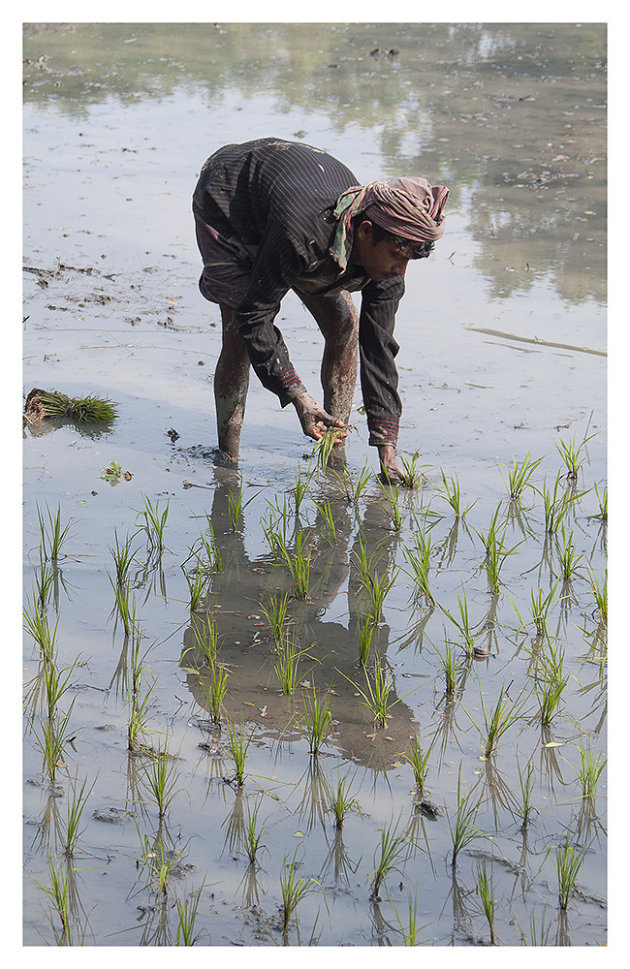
pixel 314 419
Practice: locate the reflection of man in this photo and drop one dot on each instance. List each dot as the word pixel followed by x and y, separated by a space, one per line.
pixel 273 215
pixel 233 597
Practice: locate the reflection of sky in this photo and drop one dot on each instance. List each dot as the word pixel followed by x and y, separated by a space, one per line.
pixel 511 114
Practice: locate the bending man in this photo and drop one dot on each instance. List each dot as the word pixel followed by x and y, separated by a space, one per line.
pixel 273 215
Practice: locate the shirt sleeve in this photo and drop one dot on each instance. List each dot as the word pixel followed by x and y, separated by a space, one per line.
pixel 377 352
pixel 278 264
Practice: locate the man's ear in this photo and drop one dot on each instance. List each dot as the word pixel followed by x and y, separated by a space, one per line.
pixel 364 230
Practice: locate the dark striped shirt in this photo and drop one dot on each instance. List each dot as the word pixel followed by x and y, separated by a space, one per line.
pixel 273 200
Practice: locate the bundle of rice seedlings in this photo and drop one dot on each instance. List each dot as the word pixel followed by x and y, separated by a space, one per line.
pixel 86 410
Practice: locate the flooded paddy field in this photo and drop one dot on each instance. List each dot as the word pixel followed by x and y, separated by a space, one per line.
pixel 151 663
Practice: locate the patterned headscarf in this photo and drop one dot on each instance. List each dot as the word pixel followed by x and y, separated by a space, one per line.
pixel 407 207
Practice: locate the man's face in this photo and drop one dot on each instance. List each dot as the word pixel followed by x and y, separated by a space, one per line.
pixel 379 260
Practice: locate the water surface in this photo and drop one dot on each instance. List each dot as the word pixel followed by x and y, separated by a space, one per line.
pixel 503 353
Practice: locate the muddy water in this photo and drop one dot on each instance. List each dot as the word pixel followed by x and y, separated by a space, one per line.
pixel 503 337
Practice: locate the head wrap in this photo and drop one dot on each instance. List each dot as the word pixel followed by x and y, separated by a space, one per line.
pixel 407 207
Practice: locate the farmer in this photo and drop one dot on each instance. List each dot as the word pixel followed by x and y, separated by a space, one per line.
pixel 274 215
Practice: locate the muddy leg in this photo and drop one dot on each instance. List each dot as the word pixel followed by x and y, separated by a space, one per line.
pixel 231 380
pixel 338 321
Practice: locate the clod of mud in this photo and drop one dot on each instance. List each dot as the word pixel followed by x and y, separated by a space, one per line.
pixel 111 815
pixel 428 809
pixel 34 409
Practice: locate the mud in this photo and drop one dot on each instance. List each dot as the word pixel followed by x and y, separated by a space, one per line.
pixel 503 353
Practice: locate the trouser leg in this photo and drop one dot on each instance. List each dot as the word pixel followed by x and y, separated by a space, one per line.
pixel 231 381
pixel 338 321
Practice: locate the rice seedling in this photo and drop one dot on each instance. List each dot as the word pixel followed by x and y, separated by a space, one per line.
pixel 36 624
pixel 419 561
pixel 485 891
pixel 463 623
pixel 600 594
pixel 451 667
pixel 376 693
pixel 465 829
pixel 392 499
pixel 299 563
pixel 410 934
pixel 377 586
pixel 276 530
pixel 388 853
pixel 343 801
pixel 540 606
pixel 276 614
pixel 571 454
pixel 52 741
pixel 58 891
pixel 138 714
pixel 53 535
pixel 251 834
pixel 55 685
pixel 519 476
pixel 286 665
pixel 316 720
pixel 236 506
pixel 154 524
pixel 323 450
pixel 125 605
pixel 365 634
pixel 538 936
pixel 365 564
pixel 300 489
pixel 557 504
pixel 328 519
pixel 160 779
pixel 293 890
pixel 452 495
pixel 186 919
pixel 214 685
pixel 85 410
pixel 496 551
pixel 413 472
pixel 549 683
pixel 526 784
pixel 197 586
pixel 211 549
pixel 76 805
pixel 496 722
pixel 568 864
pixel 160 862
pixel 238 748
pixel 354 487
pixel 590 771
pixel 602 499
pixel 123 557
pixel 569 559
pixel 418 759
pixel 206 639
pixel 44 580
pixel 300 566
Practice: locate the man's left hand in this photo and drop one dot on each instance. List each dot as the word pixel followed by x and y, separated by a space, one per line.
pixel 392 471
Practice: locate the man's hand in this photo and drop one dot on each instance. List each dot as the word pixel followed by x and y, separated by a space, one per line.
pixel 392 471
pixel 314 419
